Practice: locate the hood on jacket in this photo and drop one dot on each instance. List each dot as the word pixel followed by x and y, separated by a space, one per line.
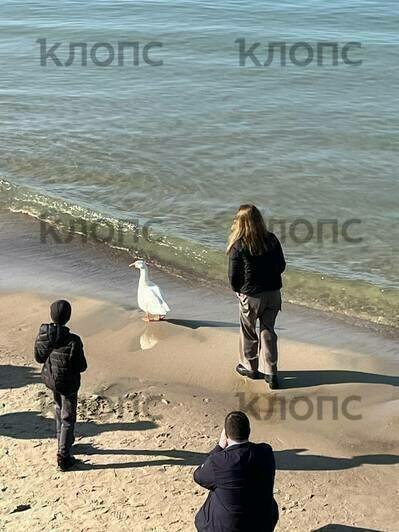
pixel 60 311
pixel 56 334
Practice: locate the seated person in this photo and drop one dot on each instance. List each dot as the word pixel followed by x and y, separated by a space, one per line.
pixel 240 478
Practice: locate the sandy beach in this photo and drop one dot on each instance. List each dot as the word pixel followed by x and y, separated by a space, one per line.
pixel 152 405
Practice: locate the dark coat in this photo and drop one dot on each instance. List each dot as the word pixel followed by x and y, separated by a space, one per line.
pixel 240 479
pixel 62 356
pixel 252 274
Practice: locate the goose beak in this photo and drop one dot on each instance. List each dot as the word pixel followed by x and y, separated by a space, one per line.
pixel 131 265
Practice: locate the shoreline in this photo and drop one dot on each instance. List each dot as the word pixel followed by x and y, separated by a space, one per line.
pixel 355 300
pixel 97 269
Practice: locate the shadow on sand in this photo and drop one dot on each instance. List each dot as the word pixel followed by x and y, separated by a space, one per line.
pixel 169 457
pixel 305 379
pixel 195 324
pixel 287 460
pixel 343 528
pixel 17 376
pixel 294 460
pixel 32 425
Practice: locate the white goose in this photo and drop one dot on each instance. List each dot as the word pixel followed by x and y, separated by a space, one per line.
pixel 149 295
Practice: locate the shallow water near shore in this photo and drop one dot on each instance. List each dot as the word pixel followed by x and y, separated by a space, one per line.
pixel 353 298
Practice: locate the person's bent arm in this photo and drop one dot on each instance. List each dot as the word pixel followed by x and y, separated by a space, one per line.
pixel 42 345
pixel 204 474
pixel 280 257
pixel 235 269
pixel 79 356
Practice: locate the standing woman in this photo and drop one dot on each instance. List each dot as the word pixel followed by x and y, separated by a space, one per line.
pixel 256 262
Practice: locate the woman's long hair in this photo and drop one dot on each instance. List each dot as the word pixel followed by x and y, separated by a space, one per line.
pixel 249 227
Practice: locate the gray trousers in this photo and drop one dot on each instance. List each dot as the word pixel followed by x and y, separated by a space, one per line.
pixel 259 352
pixel 65 418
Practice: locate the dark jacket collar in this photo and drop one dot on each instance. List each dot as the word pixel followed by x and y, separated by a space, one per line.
pixel 238 445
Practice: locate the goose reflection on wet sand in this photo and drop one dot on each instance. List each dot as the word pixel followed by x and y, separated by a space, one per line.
pixel 148 339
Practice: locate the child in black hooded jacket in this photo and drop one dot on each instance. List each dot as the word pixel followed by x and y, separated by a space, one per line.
pixel 63 359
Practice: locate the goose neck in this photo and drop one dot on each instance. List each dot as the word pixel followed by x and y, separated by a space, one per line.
pixel 144 275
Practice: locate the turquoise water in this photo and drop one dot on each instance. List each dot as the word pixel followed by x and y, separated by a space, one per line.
pixel 183 144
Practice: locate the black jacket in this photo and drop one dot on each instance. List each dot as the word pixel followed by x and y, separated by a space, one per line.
pixel 62 356
pixel 252 274
pixel 240 479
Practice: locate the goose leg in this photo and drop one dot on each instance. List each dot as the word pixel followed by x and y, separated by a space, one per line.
pixel 153 317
